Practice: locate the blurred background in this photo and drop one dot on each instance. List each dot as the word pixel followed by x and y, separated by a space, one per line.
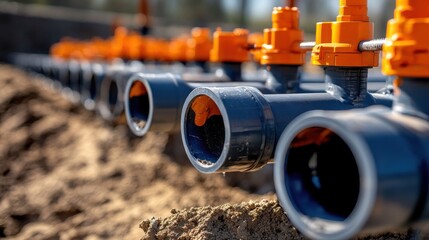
pixel 34 25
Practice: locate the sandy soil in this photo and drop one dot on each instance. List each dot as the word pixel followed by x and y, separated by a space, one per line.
pixel 65 174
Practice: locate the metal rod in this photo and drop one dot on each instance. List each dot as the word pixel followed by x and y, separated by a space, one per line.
pixel 370 45
pixel 307 45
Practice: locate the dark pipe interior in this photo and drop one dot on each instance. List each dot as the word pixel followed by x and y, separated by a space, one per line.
pixel 54 74
pixel 79 85
pixel 68 79
pixel 206 142
pixel 113 95
pixel 93 87
pixel 139 106
pixel 322 176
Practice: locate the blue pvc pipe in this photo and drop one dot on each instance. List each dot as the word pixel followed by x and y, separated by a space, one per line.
pixel 251 122
pixel 159 109
pixel 339 174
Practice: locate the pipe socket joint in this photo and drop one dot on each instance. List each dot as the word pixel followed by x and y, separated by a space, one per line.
pixel 111 101
pixel 227 129
pixel 354 172
pixel 146 111
pixel 92 85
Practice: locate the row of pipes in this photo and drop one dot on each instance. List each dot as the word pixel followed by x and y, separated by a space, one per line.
pixel 351 151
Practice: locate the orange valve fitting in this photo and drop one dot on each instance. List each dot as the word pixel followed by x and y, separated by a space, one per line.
pixel 117 43
pixel 162 53
pixel 230 46
pixel 178 48
pixel 59 50
pixel 337 43
pixel 132 46
pixel 406 52
pixel 155 49
pixel 281 42
pixel 64 49
pixel 101 47
pixel 256 40
pixel 151 49
pixel 199 45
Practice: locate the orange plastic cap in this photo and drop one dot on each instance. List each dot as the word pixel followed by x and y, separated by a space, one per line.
pixel 281 42
pixel 353 10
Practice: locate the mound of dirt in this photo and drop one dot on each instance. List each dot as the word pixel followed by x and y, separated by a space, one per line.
pixel 250 220
pixel 65 174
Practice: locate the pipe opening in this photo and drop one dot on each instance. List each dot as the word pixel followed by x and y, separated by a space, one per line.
pixel 80 81
pixel 113 95
pixel 322 177
pixel 93 87
pixel 205 130
pixel 139 106
pixel 68 80
pixel 54 73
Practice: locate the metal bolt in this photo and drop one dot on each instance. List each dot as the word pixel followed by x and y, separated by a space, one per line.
pixel 370 45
